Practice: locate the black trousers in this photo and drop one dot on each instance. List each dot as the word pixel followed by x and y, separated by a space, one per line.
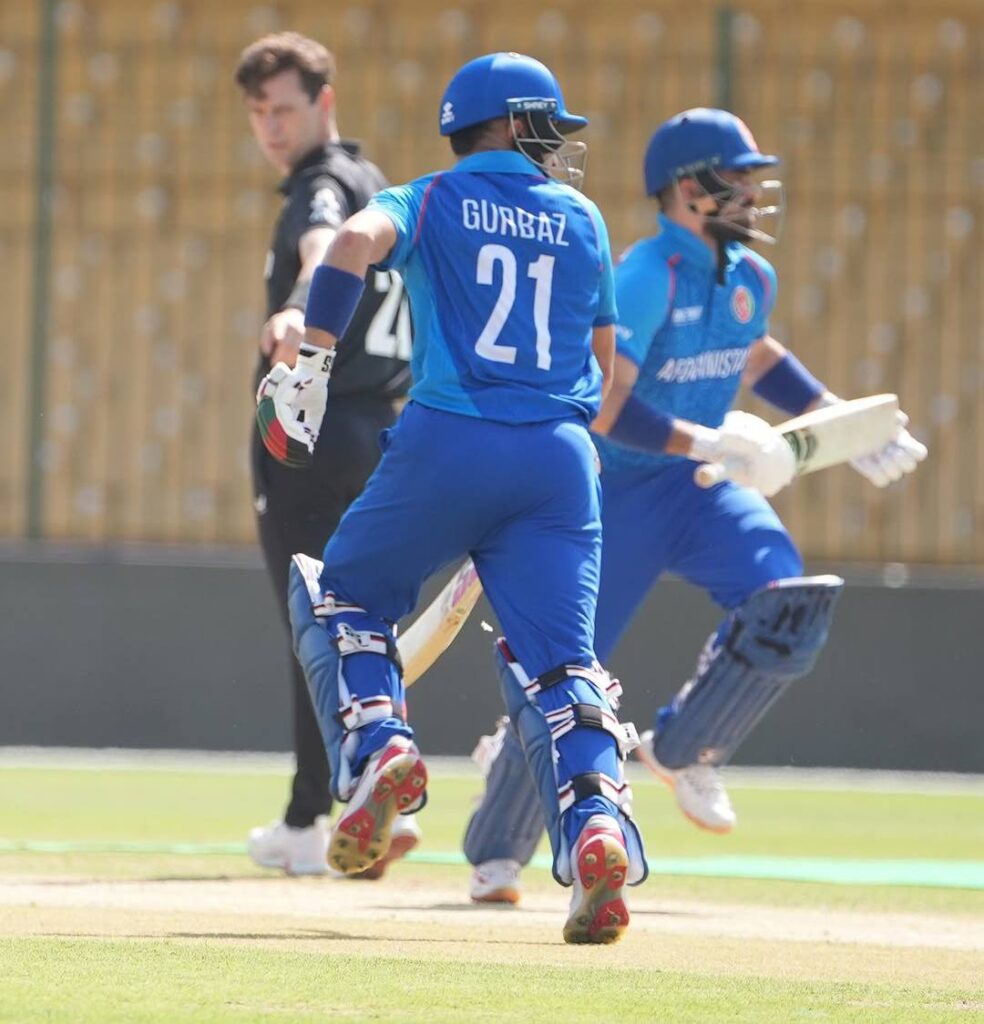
pixel 298 510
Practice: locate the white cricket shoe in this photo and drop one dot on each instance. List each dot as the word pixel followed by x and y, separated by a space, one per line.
pixel 298 851
pixel 700 794
pixel 393 781
pixel 496 881
pixel 600 864
pixel 405 835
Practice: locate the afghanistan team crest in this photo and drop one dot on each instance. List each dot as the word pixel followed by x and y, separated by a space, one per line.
pixel 742 304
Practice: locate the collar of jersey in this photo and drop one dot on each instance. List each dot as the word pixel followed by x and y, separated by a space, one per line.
pixel 690 247
pixel 499 161
pixel 694 250
pixel 314 157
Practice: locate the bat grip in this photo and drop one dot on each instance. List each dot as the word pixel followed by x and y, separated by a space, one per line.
pixel 707 474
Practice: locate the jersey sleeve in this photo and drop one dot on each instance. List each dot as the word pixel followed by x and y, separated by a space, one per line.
pixel 643 292
pixel 607 308
pixel 766 277
pixel 315 202
pixel 404 205
pixel 326 205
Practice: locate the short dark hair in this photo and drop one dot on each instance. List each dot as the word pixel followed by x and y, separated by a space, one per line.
pixel 282 51
pixel 463 142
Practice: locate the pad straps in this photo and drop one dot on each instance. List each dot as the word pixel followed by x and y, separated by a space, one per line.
pixel 566 718
pixel 591 784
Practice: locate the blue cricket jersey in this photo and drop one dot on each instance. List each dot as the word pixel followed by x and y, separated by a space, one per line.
pixel 507 271
pixel 688 334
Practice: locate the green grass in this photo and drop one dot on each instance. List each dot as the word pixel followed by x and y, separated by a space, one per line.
pixel 61 967
pixel 173 806
pixel 169 806
pixel 170 982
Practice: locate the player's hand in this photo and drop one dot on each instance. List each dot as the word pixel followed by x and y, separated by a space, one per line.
pixel 282 336
pixel 894 460
pixel 290 405
pixel 752 453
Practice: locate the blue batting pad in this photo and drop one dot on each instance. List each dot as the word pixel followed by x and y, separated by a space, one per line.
pixel 508 823
pixel 768 641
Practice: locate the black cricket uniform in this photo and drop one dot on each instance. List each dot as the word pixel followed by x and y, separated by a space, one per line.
pixel 298 510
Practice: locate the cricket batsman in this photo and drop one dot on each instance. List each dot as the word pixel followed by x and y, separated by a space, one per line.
pixel 509 273
pixel 694 304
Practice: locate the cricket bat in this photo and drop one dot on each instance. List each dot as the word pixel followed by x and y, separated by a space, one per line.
pixel 431 633
pixel 829 436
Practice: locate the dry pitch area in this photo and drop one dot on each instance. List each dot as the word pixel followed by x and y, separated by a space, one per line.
pixel 416 916
pixel 153 938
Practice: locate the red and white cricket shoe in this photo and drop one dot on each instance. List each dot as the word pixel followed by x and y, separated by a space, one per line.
pixel 405 835
pixel 600 864
pixel 394 781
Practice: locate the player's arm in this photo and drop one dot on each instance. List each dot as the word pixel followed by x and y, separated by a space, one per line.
pixel 643 290
pixel 606 313
pixel 753 453
pixel 284 331
pixel 778 377
pixel 365 238
pixel 291 401
pixel 603 347
pixel 678 433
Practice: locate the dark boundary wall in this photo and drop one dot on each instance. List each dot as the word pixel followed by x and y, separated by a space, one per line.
pixel 181 648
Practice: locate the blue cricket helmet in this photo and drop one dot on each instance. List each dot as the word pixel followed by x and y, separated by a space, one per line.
pixel 697 140
pixel 502 83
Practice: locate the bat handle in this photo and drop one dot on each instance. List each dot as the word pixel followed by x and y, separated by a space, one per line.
pixel 707 474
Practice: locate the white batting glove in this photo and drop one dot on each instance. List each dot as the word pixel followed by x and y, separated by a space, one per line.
pixel 290 405
pixel 894 460
pixel 752 453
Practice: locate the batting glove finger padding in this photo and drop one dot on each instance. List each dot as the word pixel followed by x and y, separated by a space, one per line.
pixel 894 460
pixel 290 405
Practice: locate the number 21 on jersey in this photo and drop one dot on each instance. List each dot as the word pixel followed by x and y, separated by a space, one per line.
pixel 541 271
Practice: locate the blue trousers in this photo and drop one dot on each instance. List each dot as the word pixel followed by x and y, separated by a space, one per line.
pixel 524 501
pixel 727 540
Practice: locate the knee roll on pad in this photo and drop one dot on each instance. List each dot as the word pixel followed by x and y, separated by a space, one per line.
pixel 345 697
pixel 541 712
pixel 768 641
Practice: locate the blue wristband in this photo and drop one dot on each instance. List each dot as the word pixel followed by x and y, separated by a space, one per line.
pixel 331 303
pixel 789 385
pixel 642 426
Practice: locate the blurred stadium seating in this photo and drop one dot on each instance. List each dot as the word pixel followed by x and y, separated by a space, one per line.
pixel 130 325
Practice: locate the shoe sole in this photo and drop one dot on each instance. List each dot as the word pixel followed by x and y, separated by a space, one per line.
pixel 505 896
pixel 602 916
pixel 643 753
pixel 362 837
pixel 289 868
pixel 399 847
